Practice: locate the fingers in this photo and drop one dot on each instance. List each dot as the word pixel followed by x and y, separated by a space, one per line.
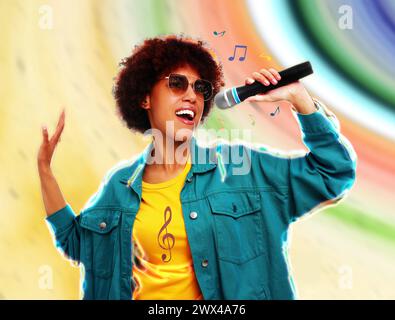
pixel 257 98
pixel 267 76
pixel 275 73
pixel 261 78
pixel 328 112
pixel 249 81
pixel 45 133
pixel 59 128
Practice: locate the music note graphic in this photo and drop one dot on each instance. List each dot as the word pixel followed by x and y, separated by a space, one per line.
pixel 241 58
pixel 252 119
pixel 220 33
pixel 262 55
pixel 167 236
pixel 274 113
pixel 222 122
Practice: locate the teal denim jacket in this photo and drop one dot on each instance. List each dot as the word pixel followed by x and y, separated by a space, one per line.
pixel 239 226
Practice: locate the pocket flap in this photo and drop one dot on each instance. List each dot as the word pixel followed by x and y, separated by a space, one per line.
pixel 100 220
pixel 235 203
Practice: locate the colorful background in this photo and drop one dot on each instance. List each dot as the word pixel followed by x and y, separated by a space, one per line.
pixel 66 53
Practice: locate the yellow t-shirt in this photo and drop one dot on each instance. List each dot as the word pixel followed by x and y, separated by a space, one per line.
pixel 164 267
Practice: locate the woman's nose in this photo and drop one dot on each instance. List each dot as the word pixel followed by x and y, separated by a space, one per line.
pixel 190 93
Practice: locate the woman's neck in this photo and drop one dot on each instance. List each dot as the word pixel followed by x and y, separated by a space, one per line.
pixel 169 155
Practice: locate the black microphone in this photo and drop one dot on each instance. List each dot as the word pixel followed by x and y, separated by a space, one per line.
pixel 230 97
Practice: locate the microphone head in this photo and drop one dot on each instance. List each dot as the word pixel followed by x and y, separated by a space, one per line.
pixel 224 99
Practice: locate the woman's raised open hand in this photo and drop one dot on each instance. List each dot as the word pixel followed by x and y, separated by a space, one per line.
pixel 48 146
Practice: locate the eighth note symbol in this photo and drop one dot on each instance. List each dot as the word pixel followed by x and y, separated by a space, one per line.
pixel 219 33
pixel 234 53
pixel 274 113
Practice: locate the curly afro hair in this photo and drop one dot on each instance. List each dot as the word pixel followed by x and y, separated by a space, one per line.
pixel 153 59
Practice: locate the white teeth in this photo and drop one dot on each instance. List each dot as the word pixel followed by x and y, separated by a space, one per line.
pixel 186 111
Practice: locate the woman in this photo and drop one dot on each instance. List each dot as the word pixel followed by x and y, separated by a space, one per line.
pixel 170 226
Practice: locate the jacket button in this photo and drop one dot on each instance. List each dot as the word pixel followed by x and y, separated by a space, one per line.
pixel 193 215
pixel 102 225
pixel 204 263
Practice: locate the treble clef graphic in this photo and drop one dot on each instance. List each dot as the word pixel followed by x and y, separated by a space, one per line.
pixel 169 244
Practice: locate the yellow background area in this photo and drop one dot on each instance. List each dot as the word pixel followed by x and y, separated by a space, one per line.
pixel 43 70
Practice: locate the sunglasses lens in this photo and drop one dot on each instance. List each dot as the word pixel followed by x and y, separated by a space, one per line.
pixel 204 88
pixel 178 83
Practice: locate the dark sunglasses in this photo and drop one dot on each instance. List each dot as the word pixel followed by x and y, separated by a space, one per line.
pixel 179 83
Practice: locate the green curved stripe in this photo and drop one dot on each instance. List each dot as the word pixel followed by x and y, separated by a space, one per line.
pixel 314 24
pixel 365 223
pixel 156 17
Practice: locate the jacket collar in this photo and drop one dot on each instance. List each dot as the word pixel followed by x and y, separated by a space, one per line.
pixel 202 159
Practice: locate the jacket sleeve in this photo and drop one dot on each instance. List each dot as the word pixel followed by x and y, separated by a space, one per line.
pixel 307 181
pixel 327 172
pixel 66 232
pixel 65 224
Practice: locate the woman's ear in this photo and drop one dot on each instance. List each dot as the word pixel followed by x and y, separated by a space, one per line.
pixel 146 103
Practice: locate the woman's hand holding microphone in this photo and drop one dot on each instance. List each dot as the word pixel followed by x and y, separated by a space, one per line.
pixel 294 92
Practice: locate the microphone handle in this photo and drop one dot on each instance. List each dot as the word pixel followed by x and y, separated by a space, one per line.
pixel 288 76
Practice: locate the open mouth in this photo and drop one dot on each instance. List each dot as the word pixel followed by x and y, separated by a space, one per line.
pixel 186 115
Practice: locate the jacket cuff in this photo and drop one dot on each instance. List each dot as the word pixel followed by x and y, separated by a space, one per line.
pixel 61 219
pixel 316 122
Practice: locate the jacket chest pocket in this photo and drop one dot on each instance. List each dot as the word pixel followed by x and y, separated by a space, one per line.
pixel 101 234
pixel 238 225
